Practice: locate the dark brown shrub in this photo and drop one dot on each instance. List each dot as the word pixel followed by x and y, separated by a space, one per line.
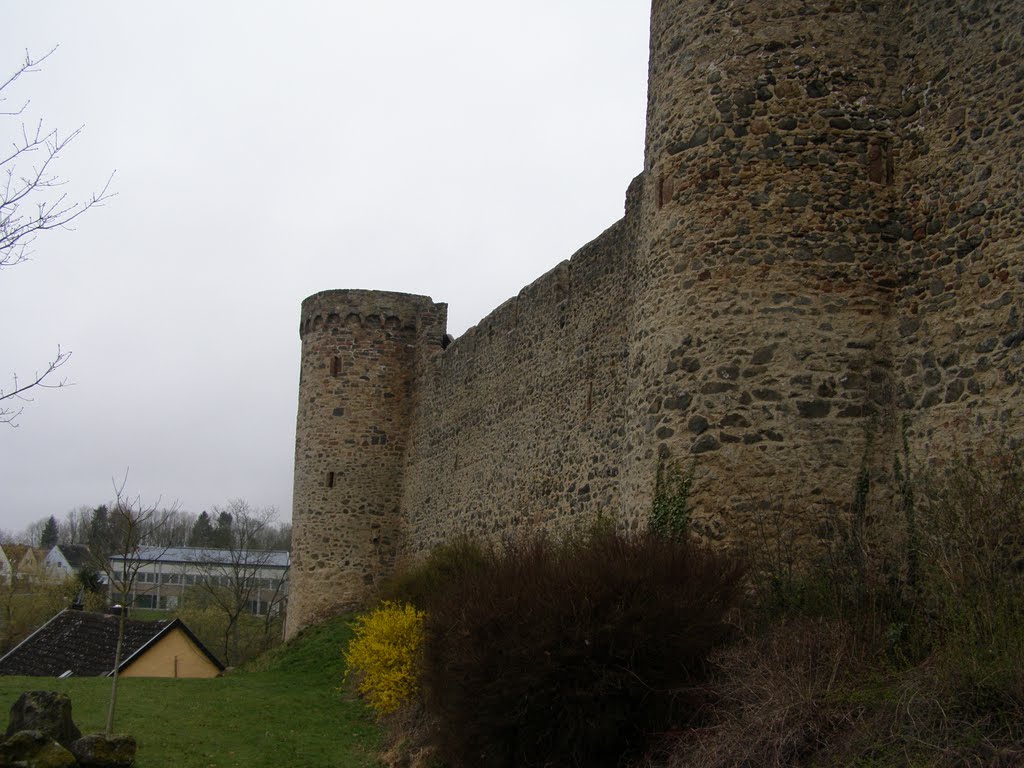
pixel 777 699
pixel 449 563
pixel 573 655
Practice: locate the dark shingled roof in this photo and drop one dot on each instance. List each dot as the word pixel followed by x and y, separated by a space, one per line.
pixel 85 644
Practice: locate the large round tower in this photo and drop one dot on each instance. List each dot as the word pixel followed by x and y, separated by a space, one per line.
pixel 359 358
pixel 765 266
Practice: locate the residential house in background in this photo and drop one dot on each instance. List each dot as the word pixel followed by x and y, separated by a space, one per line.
pixel 165 574
pixel 82 644
pixel 23 563
pixel 66 560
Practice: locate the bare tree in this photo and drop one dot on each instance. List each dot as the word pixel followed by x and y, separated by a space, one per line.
pixel 276 602
pixel 131 522
pixel 175 531
pixel 33 533
pixel 243 570
pixel 74 528
pixel 31 202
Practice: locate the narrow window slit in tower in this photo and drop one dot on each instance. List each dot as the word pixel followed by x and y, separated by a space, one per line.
pixel 335 366
pixel 330 479
pixel 880 161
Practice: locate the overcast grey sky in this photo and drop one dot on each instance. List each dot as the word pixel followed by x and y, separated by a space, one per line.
pixel 264 152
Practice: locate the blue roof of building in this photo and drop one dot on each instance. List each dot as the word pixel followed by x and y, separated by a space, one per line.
pixel 208 555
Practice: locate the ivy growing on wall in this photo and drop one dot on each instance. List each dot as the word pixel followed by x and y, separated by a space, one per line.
pixel 670 511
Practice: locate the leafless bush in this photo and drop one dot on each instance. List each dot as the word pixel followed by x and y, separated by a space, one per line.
pixel 776 699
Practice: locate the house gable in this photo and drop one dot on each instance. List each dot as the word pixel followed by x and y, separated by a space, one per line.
pixel 67 559
pixel 175 653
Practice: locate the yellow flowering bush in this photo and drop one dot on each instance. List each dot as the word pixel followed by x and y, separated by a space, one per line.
pixel 384 655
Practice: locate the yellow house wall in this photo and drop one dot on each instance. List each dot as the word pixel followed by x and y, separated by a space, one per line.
pixel 174 655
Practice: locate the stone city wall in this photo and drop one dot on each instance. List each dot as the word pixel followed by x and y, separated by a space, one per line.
pixel 520 421
pixel 821 262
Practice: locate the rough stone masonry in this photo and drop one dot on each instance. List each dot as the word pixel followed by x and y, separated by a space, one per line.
pixel 822 257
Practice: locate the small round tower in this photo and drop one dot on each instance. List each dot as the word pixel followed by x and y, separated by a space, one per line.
pixel 359 358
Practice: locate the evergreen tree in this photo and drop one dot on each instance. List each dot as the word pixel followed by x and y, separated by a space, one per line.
pixel 99 535
pixel 202 532
pixel 222 533
pixel 89 579
pixel 49 537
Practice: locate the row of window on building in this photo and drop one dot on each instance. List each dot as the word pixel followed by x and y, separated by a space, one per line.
pixel 191 580
pixel 173 602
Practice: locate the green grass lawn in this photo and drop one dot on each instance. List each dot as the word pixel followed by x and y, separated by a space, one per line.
pixel 286 709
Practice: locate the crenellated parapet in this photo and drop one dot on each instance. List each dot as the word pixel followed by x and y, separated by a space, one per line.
pixel 370 310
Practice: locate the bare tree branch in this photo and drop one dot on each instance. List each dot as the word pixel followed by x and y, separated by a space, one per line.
pixel 27 66
pixel 31 202
pixel 9 415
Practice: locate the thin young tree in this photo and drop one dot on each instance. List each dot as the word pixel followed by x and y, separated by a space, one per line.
pixel 277 604
pixel 132 524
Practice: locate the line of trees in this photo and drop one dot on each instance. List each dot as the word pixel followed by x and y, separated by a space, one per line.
pixel 217 528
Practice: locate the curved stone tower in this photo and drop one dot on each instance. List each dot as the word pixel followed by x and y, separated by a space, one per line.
pixel 765 268
pixel 359 360
pixel 829 261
